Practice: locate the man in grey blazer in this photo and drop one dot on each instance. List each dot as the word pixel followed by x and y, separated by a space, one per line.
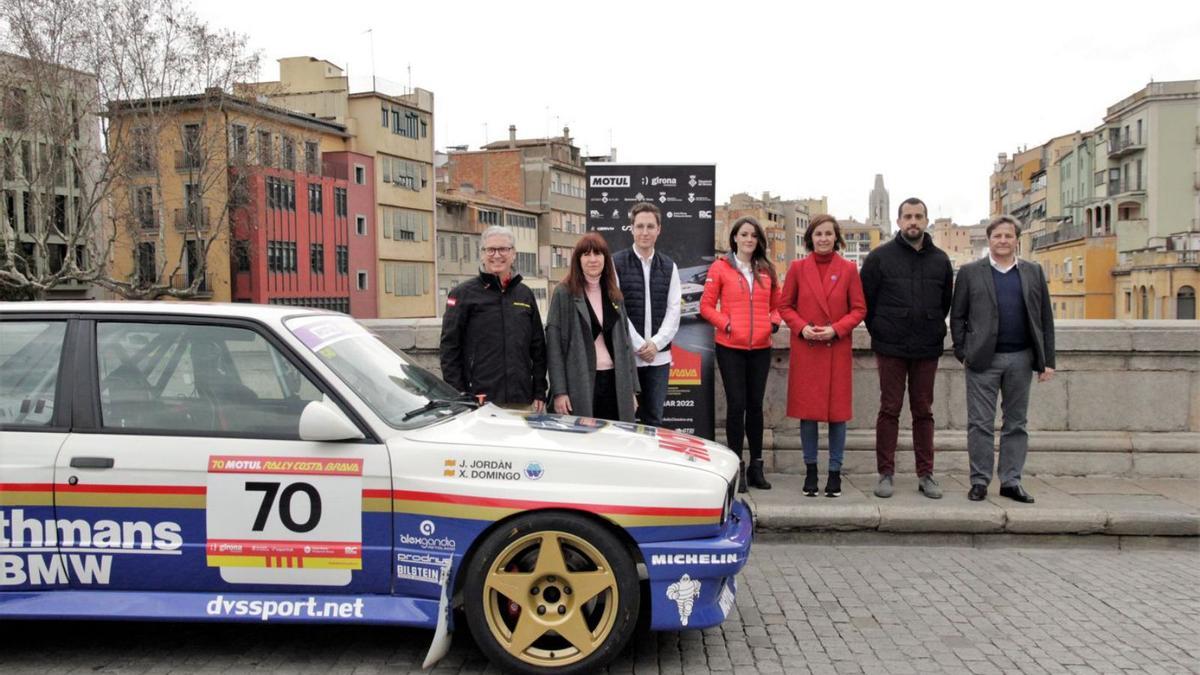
pixel 1002 324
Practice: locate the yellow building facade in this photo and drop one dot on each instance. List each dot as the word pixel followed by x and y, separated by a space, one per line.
pixel 1079 272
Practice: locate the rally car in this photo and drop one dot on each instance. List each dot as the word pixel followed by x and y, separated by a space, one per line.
pixel 166 461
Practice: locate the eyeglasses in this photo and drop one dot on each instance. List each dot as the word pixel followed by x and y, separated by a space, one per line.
pixel 496 250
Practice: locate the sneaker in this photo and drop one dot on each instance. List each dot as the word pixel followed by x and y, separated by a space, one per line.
pixel 810 480
pixel 929 487
pixel 833 487
pixel 884 488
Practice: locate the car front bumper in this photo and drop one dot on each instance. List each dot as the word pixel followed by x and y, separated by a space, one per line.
pixel 692 582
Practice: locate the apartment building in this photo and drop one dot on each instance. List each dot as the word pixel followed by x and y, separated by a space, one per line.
pixel 395 128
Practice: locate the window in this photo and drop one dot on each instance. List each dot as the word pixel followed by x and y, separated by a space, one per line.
pixel 198 378
pixel 314 198
pixel 1138 185
pixel 342 253
pixel 360 225
pixel 239 143
pixel 266 150
pixel 311 157
pixel 1079 267
pixel 489 217
pixel 405 224
pixel 520 220
pixel 1139 132
pixel 527 264
pixel 404 173
pixel 146 264
pixel 454 248
pixel 191 147
pixel 30 352
pixel 360 174
pixel 1185 297
pixel 384 116
pixel 316 258
pixel 15 113
pixel 362 280
pixel 287 148
pixel 339 202
pixel 407 279
pixel 441 248
pixel 143 207
pixel 241 255
pixel 281 194
pixel 1128 301
pixel 141 150
pixel 281 256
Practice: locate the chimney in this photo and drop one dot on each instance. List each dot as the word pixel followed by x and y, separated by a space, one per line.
pixel 567 134
pixel 512 135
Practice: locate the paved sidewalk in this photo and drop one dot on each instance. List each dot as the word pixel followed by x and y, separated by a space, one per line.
pixel 1134 507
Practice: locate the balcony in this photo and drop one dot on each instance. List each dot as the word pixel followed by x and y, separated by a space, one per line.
pixel 188 161
pixel 183 281
pixel 1119 147
pixel 1066 233
pixel 191 220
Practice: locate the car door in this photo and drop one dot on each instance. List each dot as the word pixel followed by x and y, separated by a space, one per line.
pixel 192 475
pixel 34 420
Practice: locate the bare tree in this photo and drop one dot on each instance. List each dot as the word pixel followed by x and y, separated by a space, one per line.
pixel 116 120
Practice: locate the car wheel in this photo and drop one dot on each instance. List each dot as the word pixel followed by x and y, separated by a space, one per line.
pixel 551 592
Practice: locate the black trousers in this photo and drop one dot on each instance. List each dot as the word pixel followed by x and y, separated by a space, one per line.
pixel 744 373
pixel 604 396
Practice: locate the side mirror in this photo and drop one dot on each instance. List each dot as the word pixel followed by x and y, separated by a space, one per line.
pixel 322 421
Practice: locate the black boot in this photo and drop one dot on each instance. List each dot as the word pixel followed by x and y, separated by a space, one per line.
pixel 810 480
pixel 833 487
pixel 741 478
pixel 754 475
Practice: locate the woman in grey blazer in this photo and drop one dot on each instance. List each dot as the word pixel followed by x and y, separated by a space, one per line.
pixel 588 352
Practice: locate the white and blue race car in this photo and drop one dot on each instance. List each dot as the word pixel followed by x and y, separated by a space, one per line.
pixel 167 461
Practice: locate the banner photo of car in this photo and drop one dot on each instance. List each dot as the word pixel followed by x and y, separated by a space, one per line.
pixel 686 195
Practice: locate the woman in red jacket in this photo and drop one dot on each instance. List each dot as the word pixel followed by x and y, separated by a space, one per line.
pixel 822 302
pixel 744 285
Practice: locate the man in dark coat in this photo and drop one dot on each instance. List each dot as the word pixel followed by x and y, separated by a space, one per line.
pixel 493 343
pixel 1002 323
pixel 908 284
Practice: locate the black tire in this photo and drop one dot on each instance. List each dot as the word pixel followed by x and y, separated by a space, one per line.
pixel 610 616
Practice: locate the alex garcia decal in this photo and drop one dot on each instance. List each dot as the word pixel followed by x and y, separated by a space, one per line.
pixel 28 547
pixel 285 520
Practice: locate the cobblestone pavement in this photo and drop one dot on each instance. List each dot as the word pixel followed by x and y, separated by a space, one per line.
pixel 800 609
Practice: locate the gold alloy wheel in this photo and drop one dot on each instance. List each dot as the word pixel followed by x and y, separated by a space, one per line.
pixel 550 598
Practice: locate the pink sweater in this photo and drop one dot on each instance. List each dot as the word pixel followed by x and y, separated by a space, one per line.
pixel 603 358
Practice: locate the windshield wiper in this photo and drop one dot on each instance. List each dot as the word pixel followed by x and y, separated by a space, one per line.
pixel 436 403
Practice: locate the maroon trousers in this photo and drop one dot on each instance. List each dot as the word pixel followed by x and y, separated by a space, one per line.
pixel 894 373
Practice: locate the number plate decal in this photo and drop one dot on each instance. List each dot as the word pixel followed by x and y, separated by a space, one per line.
pixel 285 520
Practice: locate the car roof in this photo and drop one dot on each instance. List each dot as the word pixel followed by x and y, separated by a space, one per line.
pixel 207 309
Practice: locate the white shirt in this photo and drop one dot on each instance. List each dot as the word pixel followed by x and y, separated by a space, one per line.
pixel 746 270
pixel 670 324
pixel 1003 270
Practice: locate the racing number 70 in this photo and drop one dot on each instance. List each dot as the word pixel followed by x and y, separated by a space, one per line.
pixel 270 490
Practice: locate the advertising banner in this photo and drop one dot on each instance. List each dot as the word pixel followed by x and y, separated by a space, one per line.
pixel 686 195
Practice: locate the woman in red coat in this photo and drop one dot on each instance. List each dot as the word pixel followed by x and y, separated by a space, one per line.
pixel 822 302
pixel 744 285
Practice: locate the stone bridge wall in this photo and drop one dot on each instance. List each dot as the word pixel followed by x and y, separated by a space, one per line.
pixel 1126 401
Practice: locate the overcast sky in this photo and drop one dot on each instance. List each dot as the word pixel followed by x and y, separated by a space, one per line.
pixel 796 98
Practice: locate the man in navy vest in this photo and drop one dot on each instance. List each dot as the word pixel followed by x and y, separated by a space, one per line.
pixel 650 283
pixel 1002 324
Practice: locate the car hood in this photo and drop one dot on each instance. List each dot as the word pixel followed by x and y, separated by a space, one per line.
pixel 492 426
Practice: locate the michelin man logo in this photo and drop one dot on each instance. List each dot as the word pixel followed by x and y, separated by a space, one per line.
pixel 684 592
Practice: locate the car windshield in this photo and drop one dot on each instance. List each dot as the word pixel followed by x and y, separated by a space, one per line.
pixel 402 393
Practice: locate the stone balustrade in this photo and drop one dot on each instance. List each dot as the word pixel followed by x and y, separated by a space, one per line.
pixel 1125 402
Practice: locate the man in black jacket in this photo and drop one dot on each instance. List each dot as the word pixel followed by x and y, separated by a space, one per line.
pixel 1002 324
pixel 908 284
pixel 493 343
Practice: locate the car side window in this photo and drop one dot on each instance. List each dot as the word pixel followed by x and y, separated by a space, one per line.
pixel 30 352
pixel 195 379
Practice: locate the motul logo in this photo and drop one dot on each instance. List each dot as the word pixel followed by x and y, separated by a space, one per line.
pixel 608 181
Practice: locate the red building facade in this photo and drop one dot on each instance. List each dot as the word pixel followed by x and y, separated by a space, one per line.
pixel 307 239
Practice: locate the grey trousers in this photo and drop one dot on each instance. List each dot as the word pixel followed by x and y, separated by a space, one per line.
pixel 1009 377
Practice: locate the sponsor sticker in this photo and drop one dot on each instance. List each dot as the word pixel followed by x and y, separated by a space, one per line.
pixel 534 471
pixel 693 559
pixel 481 469
pixel 684 592
pixel 609 181
pixel 726 599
